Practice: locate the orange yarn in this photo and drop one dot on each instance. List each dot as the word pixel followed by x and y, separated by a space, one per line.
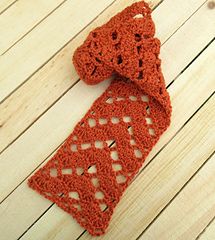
pixel 89 173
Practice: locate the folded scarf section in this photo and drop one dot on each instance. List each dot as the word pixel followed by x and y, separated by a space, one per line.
pixel 89 173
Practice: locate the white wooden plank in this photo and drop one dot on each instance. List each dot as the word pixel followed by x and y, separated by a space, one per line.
pixel 58 75
pixel 185 104
pixel 196 24
pixel 209 232
pixel 21 17
pixel 45 40
pixel 192 209
pixel 177 13
pixel 13 229
pixel 18 148
pixel 151 190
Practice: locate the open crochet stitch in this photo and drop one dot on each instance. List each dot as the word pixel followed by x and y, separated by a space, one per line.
pixel 90 171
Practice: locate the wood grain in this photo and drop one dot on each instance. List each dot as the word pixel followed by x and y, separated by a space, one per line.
pixel 42 99
pixel 59 75
pixel 56 77
pixel 37 153
pixel 45 40
pixel 209 232
pixel 21 17
pixel 151 190
pixel 191 210
pixel 164 177
pixel 4 4
pixel 200 87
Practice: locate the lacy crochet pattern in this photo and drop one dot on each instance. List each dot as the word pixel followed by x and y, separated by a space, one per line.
pixel 89 173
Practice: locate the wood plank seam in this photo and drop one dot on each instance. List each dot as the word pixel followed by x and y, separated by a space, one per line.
pixel 16 88
pixel 205 229
pixel 57 100
pixel 185 21
pixel 53 55
pixel 180 129
pixel 41 20
pixel 190 63
pixel 33 222
pixel 195 211
pixel 207 159
pixel 185 184
pixel 73 84
pixel 22 131
pixel 210 42
pixel 144 167
pixel 12 191
pixel 181 189
pixel 6 8
pixel 38 118
pixel 32 172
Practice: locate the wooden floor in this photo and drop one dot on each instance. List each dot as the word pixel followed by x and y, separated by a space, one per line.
pixel 42 98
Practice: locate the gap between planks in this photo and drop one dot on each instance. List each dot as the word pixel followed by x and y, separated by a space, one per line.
pixel 44 41
pixel 21 74
pixel 185 140
pixel 16 26
pixel 6 4
pixel 166 223
pixel 208 232
pixel 159 174
pixel 182 91
pixel 172 45
pixel 3 156
pixel 25 99
pixel 211 99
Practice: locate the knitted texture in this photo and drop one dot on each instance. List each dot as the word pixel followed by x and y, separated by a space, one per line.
pixel 89 173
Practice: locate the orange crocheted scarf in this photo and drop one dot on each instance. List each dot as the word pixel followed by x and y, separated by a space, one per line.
pixel 89 173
